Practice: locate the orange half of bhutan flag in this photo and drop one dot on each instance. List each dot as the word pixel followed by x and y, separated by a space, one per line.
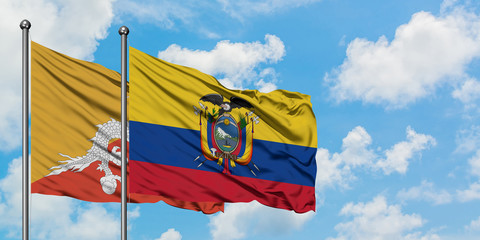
pixel 75 132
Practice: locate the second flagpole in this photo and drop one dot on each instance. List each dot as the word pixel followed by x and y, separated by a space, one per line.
pixel 123 31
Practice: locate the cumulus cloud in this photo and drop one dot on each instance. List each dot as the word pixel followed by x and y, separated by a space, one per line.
pixel 337 168
pixel 425 192
pixel 474 163
pixel 242 9
pixel 474 225
pixel 257 218
pixel 378 220
pixel 71 27
pixel 237 64
pixel 331 171
pixel 470 194
pixel 10 115
pixel 11 198
pixel 170 234
pixel 468 140
pixel 473 191
pixel 133 213
pixel 162 13
pixel 355 150
pixel 90 222
pixel 397 157
pixel 413 65
pixel 469 92
pixel 171 14
pixel 52 217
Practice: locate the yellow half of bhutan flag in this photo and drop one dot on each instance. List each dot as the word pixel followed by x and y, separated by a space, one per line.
pixel 75 131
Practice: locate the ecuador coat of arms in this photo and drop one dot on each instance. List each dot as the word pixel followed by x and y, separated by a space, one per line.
pixel 226 129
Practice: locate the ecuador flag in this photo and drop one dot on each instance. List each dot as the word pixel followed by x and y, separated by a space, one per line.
pixel 194 140
pixel 75 135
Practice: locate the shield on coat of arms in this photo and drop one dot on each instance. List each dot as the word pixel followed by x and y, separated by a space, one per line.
pixel 226 133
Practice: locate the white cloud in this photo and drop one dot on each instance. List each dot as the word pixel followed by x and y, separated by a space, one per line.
pixel 378 220
pixel 91 222
pixel 171 14
pixel 355 150
pixel 237 63
pixel 474 225
pixel 331 171
pixel 10 116
pixel 135 213
pixel 469 92
pixel 71 27
pixel 421 236
pixel 53 217
pixel 257 218
pixel 473 192
pixel 266 87
pixel 475 164
pixel 243 9
pixel 268 80
pixel 337 168
pixel 425 192
pixel 170 234
pixel 341 43
pixel 468 140
pixel 397 157
pixel 470 194
pixel 447 5
pixel 11 197
pixel 132 214
pixel 163 13
pixel 413 65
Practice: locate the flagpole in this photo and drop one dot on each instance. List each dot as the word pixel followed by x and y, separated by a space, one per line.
pixel 123 31
pixel 25 26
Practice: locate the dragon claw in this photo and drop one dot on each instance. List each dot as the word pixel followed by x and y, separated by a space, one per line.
pixel 109 183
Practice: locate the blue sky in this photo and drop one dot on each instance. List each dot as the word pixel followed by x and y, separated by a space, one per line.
pixel 395 89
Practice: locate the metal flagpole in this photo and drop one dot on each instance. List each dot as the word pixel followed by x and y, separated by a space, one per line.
pixel 123 31
pixel 25 26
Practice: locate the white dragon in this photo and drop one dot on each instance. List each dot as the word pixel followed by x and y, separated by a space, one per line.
pixel 98 152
